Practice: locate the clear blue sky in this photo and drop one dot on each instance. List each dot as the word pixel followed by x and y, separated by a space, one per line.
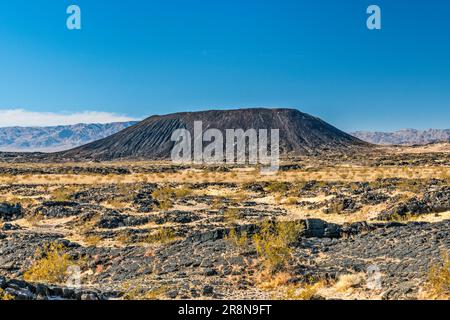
pixel 139 58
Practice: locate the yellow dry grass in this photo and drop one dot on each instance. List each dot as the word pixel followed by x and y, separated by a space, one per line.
pixel 338 173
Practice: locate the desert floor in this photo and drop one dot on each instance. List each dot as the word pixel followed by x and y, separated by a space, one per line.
pixel 340 227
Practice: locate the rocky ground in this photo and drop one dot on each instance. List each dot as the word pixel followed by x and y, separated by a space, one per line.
pixel 144 231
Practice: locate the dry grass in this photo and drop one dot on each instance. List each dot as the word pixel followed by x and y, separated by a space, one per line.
pixel 92 240
pixel 349 281
pixel 273 242
pixel 271 282
pixel 161 236
pixel 145 294
pixel 23 201
pixel 337 173
pixel 346 287
pixel 166 196
pixel 117 204
pixel 291 201
pixel 278 187
pixel 437 286
pixel 303 292
pixel 63 193
pixel 34 219
pixel 124 239
pixel 143 288
pixel 231 215
pixel 4 296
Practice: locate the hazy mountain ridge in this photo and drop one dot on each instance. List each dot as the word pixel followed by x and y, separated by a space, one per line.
pixel 56 138
pixel 405 136
pixel 65 137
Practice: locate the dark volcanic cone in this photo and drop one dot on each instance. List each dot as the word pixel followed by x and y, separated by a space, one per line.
pixel 300 134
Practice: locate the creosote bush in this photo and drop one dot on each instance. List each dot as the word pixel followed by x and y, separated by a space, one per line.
pixel 240 240
pixel 50 265
pixel 273 242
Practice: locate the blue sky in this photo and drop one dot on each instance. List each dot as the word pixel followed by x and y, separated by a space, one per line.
pixel 136 58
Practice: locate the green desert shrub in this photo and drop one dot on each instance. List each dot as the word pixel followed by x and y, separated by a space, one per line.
pixel 273 242
pixel 239 239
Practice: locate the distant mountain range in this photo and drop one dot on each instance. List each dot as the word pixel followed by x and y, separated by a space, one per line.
pixel 58 138
pixel 404 137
